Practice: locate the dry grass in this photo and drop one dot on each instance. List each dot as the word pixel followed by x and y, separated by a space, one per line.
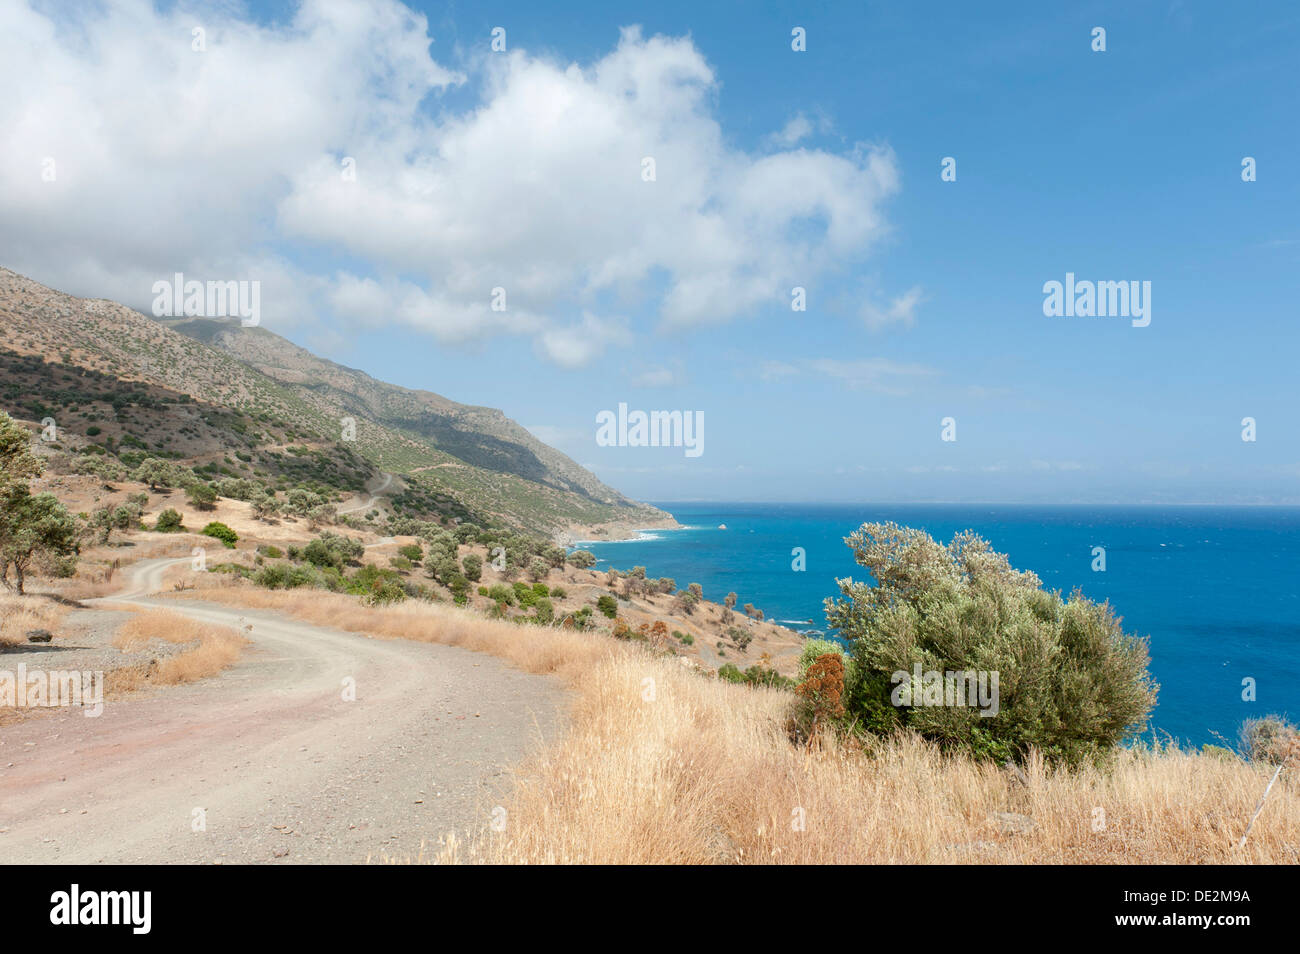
pixel 214 648
pixel 704 773
pixel 19 614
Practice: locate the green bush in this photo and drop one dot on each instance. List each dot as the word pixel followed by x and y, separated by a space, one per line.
pixel 169 521
pixel 473 567
pixel 501 594
pixel 607 605
pixel 582 559
pixel 318 553
pixel 544 609
pixel 221 532
pixel 1070 682
pixel 201 496
pixel 729 673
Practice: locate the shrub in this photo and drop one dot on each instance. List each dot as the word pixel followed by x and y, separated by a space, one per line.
pixel 580 619
pixel 221 532
pixel 318 553
pixel 607 605
pixel 686 639
pixel 1070 682
pixel 740 638
pixel 822 691
pixel 201 496
pixel 814 649
pixel 559 592
pixel 473 567
pixel 1271 739
pixel 501 594
pixel 582 559
pixel 169 521
pixel 459 587
pixel 538 569
pixel 729 673
pixel 412 552
pixel 545 610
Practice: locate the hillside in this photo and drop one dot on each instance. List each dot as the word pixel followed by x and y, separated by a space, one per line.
pixel 244 403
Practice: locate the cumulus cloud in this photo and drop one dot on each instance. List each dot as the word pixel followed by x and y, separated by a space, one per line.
pixel 229 163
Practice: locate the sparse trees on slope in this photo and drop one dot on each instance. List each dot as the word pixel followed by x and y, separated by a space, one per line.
pixel 29 525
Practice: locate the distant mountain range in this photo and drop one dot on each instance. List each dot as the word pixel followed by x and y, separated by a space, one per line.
pixel 244 402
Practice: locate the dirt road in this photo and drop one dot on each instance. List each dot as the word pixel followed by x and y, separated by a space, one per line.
pixel 366 503
pixel 269 762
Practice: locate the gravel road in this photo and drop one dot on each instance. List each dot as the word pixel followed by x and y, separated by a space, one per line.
pixel 268 761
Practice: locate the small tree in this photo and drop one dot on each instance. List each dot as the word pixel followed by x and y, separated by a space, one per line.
pixel 686 602
pixel 265 506
pixel 1072 683
pixel 169 521
pixel 201 496
pixel 33 526
pixel 30 526
pixel 582 559
pixel 473 567
pixel 157 473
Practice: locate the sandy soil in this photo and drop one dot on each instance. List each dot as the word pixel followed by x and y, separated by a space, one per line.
pixel 281 765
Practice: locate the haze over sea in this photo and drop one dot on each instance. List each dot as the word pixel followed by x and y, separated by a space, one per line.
pixel 1214 587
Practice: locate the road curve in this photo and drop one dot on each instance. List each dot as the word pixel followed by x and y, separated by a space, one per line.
pixel 369 502
pixel 268 762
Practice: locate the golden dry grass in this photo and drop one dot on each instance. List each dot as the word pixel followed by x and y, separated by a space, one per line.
pixel 214 648
pixel 699 771
pixel 19 614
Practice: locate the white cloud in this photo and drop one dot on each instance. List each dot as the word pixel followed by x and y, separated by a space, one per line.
pixel 797 129
pixel 900 310
pixel 226 164
pixel 873 374
pixel 655 378
pixel 575 346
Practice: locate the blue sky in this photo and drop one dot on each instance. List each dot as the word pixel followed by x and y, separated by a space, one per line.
pixel 924 296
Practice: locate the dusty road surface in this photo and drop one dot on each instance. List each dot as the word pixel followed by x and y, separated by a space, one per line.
pixel 365 503
pixel 268 761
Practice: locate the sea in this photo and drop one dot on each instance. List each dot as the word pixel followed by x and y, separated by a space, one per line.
pixel 1216 589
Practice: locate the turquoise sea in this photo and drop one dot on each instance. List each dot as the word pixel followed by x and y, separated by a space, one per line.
pixel 1214 587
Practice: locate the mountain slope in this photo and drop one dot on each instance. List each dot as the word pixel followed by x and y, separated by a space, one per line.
pixel 244 402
